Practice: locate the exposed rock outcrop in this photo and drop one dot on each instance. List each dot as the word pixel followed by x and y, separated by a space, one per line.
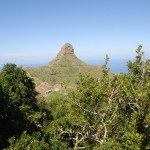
pixel 67 49
pixel 45 89
pixel 66 57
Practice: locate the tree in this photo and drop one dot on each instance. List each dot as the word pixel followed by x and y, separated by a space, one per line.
pixel 17 102
pixel 111 112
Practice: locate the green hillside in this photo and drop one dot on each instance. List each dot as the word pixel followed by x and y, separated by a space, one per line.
pixel 64 69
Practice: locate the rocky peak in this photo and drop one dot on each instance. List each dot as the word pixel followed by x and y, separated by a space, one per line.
pixel 66 57
pixel 66 50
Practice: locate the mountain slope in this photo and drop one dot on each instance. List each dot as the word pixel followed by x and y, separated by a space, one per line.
pixel 64 69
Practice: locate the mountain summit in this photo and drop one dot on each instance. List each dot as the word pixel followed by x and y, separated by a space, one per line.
pixel 67 58
pixel 66 50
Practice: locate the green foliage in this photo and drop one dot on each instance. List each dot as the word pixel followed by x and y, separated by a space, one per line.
pixel 18 86
pixel 27 142
pixel 18 104
pixel 106 113
pixel 55 96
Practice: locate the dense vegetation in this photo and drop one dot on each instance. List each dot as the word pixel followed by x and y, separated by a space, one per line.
pixel 110 113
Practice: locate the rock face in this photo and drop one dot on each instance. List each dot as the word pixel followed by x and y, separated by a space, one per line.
pixel 66 52
pixel 67 49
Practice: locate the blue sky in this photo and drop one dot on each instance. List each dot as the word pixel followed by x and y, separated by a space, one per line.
pixel 33 31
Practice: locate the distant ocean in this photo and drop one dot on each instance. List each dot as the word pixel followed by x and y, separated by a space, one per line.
pixel 116 65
